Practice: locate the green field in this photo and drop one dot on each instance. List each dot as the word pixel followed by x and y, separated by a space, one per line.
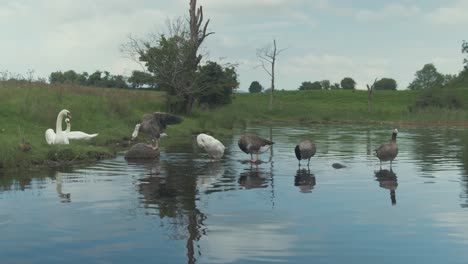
pixel 28 109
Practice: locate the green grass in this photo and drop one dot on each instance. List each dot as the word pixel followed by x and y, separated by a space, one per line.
pixel 321 106
pixel 28 109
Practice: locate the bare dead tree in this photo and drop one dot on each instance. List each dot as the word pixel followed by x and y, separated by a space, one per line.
pixel 370 89
pixel 267 55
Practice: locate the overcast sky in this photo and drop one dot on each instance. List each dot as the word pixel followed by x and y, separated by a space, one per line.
pixel 324 39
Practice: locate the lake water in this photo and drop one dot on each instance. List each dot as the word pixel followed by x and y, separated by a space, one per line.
pixel 185 209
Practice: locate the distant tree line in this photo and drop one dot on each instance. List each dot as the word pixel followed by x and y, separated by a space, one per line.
pixel 97 79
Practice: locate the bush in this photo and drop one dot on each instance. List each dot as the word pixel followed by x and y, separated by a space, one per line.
pixel 439 98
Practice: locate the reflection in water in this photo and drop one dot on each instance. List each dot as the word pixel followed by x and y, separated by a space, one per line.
pixel 64 197
pixel 172 193
pixel 164 209
pixel 212 172
pixel 304 180
pixel 253 177
pixel 388 180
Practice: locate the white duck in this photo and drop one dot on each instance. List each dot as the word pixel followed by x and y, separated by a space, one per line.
pixel 76 134
pixel 58 137
pixel 211 145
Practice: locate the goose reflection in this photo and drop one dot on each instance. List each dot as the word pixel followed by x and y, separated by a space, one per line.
pixel 388 180
pixel 253 178
pixel 304 180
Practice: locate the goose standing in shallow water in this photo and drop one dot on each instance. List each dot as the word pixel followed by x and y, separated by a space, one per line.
pixel 388 151
pixel 252 144
pixel 305 150
pixel 211 145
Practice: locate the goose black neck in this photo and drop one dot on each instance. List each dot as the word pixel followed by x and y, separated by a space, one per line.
pixel 394 136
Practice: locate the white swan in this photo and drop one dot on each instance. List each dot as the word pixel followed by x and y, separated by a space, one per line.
pixel 58 137
pixel 76 134
pixel 211 145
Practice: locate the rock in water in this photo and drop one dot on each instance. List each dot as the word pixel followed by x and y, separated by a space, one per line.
pixel 142 151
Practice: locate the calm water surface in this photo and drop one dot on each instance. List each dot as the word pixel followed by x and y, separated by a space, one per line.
pixel 185 209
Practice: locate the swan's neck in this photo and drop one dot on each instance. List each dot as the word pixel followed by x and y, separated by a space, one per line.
pixel 68 128
pixel 58 125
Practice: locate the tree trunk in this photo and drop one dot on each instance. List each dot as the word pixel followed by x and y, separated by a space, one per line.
pixel 270 107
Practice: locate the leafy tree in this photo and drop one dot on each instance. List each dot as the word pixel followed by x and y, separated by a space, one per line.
pixel 335 86
pixel 465 50
pixel 82 78
pixel 70 76
pixel 309 86
pixel 426 78
pixel 255 87
pixel 139 79
pixel 385 84
pixel 94 79
pixel 325 84
pixel 348 83
pixel 174 59
pixel 216 84
pixel 56 77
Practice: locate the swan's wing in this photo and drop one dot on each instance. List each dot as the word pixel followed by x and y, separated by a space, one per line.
pixel 79 135
pixel 50 136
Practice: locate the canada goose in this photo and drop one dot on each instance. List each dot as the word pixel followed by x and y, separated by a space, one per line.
pixel 305 150
pixel 252 144
pixel 211 145
pixel 154 125
pixel 388 151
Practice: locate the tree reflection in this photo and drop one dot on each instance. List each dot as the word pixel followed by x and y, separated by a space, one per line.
pixel 388 180
pixel 304 180
pixel 173 194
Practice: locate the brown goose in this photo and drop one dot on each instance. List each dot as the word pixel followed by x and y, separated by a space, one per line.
pixel 154 125
pixel 388 151
pixel 252 144
pixel 25 146
pixel 305 150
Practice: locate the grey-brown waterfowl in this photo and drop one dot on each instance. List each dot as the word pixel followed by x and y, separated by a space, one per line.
pixel 25 146
pixel 388 151
pixel 154 125
pixel 305 150
pixel 252 144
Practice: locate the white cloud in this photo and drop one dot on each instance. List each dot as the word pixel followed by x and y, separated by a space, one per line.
pixel 450 15
pixel 387 12
pixel 227 243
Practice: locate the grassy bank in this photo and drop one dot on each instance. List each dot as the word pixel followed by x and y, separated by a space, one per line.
pixel 335 106
pixel 28 109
